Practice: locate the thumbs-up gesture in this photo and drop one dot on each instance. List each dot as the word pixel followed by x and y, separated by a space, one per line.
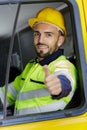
pixel 52 82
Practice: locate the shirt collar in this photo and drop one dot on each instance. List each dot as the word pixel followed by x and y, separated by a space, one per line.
pixel 52 57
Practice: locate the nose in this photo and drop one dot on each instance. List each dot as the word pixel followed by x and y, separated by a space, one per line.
pixel 41 38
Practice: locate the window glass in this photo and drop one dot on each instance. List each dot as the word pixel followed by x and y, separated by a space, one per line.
pixel 7 17
pixel 23 49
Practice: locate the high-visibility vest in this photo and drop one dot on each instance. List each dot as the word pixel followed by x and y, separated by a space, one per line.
pixel 30 94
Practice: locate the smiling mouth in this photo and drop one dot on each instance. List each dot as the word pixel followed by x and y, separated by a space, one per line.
pixel 42 46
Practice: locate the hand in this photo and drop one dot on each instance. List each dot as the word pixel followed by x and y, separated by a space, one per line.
pixel 52 82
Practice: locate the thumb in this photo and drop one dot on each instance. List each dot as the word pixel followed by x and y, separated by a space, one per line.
pixel 46 70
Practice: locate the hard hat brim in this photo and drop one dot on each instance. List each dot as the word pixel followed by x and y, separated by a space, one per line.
pixel 34 21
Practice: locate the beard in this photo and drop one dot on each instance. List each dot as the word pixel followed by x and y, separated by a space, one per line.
pixel 41 53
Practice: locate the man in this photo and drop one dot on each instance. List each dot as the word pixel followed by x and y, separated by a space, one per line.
pixel 48 82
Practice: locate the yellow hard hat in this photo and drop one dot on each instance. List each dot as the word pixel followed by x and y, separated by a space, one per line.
pixel 49 15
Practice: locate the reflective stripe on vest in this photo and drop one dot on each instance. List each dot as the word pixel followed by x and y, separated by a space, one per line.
pixel 33 94
pixel 12 90
pixel 55 106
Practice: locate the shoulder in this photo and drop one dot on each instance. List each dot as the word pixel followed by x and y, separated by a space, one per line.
pixel 64 62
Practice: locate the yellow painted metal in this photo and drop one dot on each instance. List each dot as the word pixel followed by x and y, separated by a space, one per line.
pixel 82 4
pixel 78 122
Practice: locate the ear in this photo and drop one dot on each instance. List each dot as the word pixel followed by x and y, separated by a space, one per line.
pixel 61 41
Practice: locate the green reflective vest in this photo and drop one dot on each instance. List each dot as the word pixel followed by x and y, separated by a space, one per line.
pixel 30 94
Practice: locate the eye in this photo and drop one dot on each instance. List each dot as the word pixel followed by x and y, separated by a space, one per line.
pixel 36 34
pixel 49 35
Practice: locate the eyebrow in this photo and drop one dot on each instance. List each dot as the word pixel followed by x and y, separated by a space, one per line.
pixel 44 32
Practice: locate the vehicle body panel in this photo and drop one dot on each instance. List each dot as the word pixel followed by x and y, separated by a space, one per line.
pixel 82 4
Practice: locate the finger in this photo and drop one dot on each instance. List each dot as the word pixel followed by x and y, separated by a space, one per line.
pixel 56 90
pixel 46 70
pixel 52 84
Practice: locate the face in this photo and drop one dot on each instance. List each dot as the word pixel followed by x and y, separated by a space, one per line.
pixel 46 39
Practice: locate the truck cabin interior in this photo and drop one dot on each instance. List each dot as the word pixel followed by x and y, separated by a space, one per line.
pixel 23 49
